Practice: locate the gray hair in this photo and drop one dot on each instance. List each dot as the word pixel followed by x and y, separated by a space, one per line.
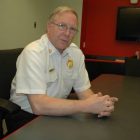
pixel 62 9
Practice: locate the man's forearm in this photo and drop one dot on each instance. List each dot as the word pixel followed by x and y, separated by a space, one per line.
pixel 44 105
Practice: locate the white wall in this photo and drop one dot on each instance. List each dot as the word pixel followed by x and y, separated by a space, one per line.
pixel 17 19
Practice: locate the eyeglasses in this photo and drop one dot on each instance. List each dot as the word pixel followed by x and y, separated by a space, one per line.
pixel 65 27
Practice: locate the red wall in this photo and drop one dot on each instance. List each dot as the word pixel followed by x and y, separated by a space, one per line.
pixel 99 29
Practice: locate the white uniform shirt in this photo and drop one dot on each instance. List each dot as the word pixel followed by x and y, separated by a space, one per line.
pixel 41 69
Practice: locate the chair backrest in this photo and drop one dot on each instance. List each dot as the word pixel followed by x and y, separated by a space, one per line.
pixel 7 70
pixel 132 67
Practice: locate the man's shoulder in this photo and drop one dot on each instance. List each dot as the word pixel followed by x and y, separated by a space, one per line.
pixel 37 46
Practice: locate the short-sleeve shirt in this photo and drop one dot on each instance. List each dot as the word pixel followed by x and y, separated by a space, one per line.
pixel 41 69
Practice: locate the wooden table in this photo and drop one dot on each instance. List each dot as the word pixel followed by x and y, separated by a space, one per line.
pixel 124 124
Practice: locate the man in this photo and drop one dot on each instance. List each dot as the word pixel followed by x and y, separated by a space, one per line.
pixel 48 68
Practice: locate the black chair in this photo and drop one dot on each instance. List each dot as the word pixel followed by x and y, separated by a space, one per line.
pixel 132 66
pixel 7 71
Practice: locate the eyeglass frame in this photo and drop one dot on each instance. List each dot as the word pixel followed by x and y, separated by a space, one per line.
pixel 65 27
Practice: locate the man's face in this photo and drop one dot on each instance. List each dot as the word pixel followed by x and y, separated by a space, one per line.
pixel 62 30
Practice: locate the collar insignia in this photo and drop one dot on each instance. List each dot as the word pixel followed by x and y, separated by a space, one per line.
pixel 50 51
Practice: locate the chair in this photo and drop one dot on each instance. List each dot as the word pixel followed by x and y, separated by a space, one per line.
pixel 7 72
pixel 132 66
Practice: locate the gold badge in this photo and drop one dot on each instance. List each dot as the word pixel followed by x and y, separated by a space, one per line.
pixel 70 63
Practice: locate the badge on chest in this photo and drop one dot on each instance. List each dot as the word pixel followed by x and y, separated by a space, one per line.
pixel 70 63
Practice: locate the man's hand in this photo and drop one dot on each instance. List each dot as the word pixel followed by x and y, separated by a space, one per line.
pixel 101 105
pixel 110 105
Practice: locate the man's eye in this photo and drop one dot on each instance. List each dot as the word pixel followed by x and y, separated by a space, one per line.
pixel 73 29
pixel 62 25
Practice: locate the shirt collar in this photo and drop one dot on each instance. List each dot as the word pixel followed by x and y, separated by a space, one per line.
pixel 50 46
pixel 69 50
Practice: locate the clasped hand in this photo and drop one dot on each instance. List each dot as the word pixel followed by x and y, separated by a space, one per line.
pixel 103 105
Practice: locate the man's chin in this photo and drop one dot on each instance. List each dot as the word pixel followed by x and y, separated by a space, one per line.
pixel 64 46
pixel 61 49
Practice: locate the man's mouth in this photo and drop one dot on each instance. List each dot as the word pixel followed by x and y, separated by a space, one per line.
pixel 65 41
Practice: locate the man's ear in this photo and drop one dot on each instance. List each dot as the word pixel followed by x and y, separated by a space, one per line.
pixel 48 26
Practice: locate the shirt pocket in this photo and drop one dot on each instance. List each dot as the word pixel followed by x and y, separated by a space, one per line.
pixel 69 74
pixel 69 78
pixel 51 78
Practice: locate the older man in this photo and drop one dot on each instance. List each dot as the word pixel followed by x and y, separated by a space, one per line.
pixel 50 67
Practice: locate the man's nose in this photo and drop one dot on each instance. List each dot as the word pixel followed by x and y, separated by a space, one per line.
pixel 68 31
